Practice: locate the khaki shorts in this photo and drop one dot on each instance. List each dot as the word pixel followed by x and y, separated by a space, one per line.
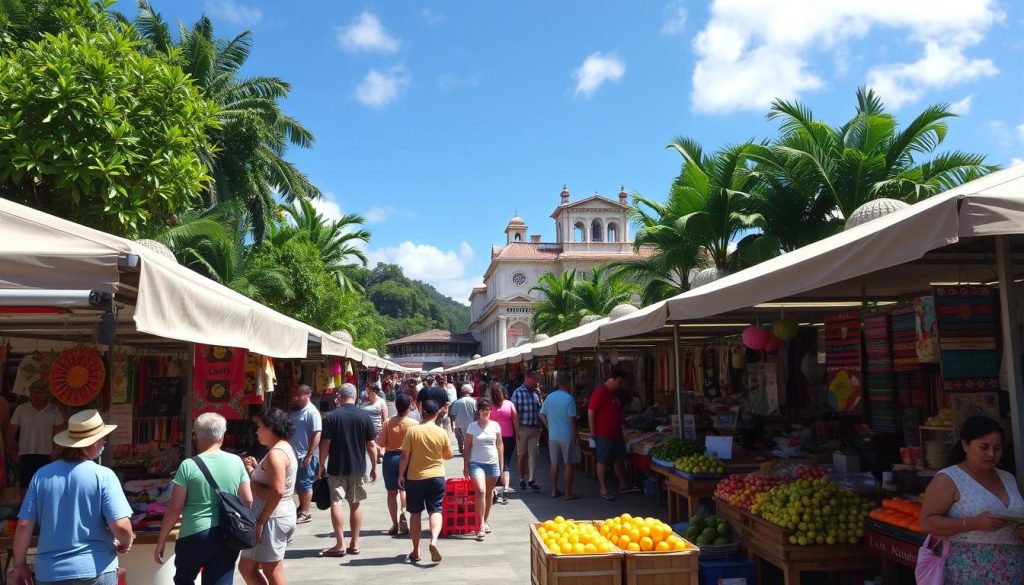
pixel 347 488
pixel 528 441
pixel 276 534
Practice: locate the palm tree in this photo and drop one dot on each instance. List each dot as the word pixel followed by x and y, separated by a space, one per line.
pixel 599 294
pixel 867 157
pixel 337 241
pixel 247 163
pixel 560 309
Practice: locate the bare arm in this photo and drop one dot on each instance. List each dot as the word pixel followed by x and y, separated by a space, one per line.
pixel 501 455
pixel 325 449
pixel 938 498
pixel 174 507
pixel 371 452
pixel 403 466
pixel 544 420
pixel 314 446
pixel 515 420
pixel 275 466
pixel 245 493
pixel 122 531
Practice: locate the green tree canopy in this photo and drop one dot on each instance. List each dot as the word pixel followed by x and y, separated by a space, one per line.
pixel 93 130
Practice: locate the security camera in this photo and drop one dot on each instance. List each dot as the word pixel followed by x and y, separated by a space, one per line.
pixel 100 299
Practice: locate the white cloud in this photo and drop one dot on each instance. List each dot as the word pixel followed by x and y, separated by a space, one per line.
pixel 380 89
pixel 433 17
pixel 379 214
pixel 1001 133
pixel 328 207
pixel 675 18
pixel 367 34
pixel 233 12
pixel 962 107
pixel 449 81
pixel 444 269
pixel 596 70
pixel 1020 132
pixel 746 58
pixel 1016 161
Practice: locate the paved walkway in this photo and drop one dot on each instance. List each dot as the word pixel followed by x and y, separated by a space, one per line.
pixel 502 559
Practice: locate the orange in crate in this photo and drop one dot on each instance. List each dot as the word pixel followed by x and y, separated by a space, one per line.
pixel 458 509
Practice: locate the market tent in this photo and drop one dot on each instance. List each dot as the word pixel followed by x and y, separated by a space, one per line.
pixel 582 336
pixel 829 268
pixel 161 297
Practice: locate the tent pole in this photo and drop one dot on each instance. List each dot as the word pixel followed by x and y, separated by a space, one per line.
pixel 1011 348
pixel 678 371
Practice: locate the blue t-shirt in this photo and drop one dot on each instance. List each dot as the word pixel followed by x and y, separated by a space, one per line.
pixel 72 503
pixel 559 407
pixel 307 422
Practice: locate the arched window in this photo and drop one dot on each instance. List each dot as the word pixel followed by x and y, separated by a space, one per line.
pixel 579 233
pixel 595 231
pixel 613 232
pixel 518 237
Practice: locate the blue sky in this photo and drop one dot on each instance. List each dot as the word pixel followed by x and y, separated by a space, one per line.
pixel 439 120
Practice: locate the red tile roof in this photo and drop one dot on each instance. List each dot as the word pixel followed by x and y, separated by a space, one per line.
pixel 523 251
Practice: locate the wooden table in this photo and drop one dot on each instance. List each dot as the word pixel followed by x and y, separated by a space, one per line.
pixel 767 542
pixel 678 488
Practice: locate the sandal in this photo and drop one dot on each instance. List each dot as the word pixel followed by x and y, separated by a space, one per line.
pixel 487 528
pixel 414 557
pixel 331 552
pixel 352 550
pixel 570 497
pixel 435 555
pixel 480 536
pixel 608 497
pixel 393 531
pixel 403 525
pixel 632 490
pixel 304 519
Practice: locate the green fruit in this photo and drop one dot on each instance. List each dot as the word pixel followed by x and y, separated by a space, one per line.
pixel 697 520
pixel 709 533
pixel 721 540
pixel 703 541
pixel 723 529
pixel 693 532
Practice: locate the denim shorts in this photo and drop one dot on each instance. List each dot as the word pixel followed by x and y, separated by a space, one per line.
pixel 484 469
pixel 608 451
pixel 104 579
pixel 424 494
pixel 304 476
pixel 392 461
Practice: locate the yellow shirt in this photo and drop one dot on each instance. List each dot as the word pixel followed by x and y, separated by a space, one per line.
pixel 428 447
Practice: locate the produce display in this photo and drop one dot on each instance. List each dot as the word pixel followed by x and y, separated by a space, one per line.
pixel 676 448
pixel 811 472
pixel 642 534
pixel 899 512
pixel 742 490
pixel 818 512
pixel 944 418
pixel 568 537
pixel 700 464
pixel 709 530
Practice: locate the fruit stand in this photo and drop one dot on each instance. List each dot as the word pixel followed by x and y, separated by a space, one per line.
pixel 678 488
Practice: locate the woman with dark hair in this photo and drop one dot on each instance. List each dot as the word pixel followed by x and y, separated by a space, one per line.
pixel 485 461
pixel 967 502
pixel 273 483
pixel 503 412
pixel 389 442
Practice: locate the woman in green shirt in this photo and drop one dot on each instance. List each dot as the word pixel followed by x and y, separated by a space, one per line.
pixel 200 544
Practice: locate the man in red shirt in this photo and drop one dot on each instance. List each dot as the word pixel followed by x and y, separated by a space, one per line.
pixel 605 416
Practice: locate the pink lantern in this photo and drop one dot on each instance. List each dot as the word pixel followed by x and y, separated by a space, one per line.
pixel 773 343
pixel 755 337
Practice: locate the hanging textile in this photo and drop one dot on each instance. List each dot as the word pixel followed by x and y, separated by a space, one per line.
pixel 968 331
pixel 909 373
pixel 710 362
pixel 77 376
pixel 34 372
pixel 843 362
pixel 119 371
pixel 219 381
pixel 968 404
pixel 881 382
pixel 763 385
pixel 254 388
pixel 926 328
pixel 164 396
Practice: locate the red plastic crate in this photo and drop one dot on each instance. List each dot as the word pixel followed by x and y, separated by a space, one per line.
pixel 458 509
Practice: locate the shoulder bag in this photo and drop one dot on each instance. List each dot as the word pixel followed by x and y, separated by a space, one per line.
pixel 238 522
pixel 931 564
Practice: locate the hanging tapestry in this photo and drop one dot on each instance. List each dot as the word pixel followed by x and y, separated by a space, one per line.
pixel 843 362
pixel 34 372
pixel 119 370
pixel 910 378
pixel 927 330
pixel 219 381
pixel 710 363
pixel 881 383
pixel 968 404
pixel 77 375
pixel 966 317
pixel 164 397
pixel 763 383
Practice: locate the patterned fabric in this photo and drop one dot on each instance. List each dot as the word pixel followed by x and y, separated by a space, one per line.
pixel 975 499
pixel 984 564
pixel 528 406
pixel 968 338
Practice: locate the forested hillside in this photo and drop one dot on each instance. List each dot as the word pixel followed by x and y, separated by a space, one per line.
pixel 409 306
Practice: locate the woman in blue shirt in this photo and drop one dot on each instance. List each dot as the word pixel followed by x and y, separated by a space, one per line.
pixel 81 511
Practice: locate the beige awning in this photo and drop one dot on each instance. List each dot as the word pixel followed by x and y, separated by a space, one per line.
pixel 582 336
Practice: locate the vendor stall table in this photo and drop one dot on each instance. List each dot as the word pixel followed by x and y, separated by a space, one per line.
pixel 693 491
pixel 768 542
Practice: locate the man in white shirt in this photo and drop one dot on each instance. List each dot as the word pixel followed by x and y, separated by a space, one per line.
pixel 39 421
pixel 463 411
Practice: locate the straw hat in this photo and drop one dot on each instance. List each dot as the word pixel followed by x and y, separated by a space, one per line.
pixel 84 429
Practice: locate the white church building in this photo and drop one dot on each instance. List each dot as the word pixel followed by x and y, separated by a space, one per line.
pixel 590 232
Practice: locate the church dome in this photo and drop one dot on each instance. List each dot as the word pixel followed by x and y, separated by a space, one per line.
pixel 516 221
pixel 874 209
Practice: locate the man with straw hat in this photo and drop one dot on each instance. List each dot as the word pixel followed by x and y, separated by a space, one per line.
pixel 78 540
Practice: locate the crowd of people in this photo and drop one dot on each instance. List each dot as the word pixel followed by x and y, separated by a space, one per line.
pixel 400 426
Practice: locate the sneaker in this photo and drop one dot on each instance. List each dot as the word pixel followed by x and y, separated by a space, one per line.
pixel 533 485
pixel 522 484
pixel 504 498
pixel 403 526
pixel 304 519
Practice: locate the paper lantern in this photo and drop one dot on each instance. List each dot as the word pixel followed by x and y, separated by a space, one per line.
pixel 755 337
pixel 772 343
pixel 785 329
pixel 739 358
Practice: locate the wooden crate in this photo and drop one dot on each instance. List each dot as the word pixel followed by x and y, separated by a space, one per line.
pixel 547 568
pixel 661 568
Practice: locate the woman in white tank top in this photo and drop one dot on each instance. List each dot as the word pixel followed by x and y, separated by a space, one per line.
pixel 967 502
pixel 273 483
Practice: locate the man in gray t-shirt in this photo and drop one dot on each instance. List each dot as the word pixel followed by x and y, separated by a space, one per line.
pixel 463 411
pixel 307 422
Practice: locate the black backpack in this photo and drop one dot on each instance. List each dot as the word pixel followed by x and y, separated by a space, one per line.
pixel 237 521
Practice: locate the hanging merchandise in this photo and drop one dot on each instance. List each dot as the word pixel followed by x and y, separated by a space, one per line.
pixel 785 329
pixel 255 385
pixel 164 396
pixel 324 380
pixel 968 333
pixel 77 375
pixel 772 343
pixel 723 357
pixel 336 372
pixel 755 337
pixel 881 383
pixel 763 383
pixel 910 376
pixel 927 330
pixel 219 381
pixel 843 362
pixel 739 358
pixel 968 404
pixel 350 374
pixel 120 369
pixel 710 373
pixel 33 372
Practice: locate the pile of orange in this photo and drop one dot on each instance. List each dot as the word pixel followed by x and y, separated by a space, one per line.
pixel 642 534
pixel 568 537
pixel 899 512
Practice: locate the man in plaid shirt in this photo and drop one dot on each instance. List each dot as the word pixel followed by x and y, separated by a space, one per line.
pixel 526 398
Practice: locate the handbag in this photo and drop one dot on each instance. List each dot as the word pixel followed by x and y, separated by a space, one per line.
pixel 931 565
pixel 321 493
pixel 237 520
